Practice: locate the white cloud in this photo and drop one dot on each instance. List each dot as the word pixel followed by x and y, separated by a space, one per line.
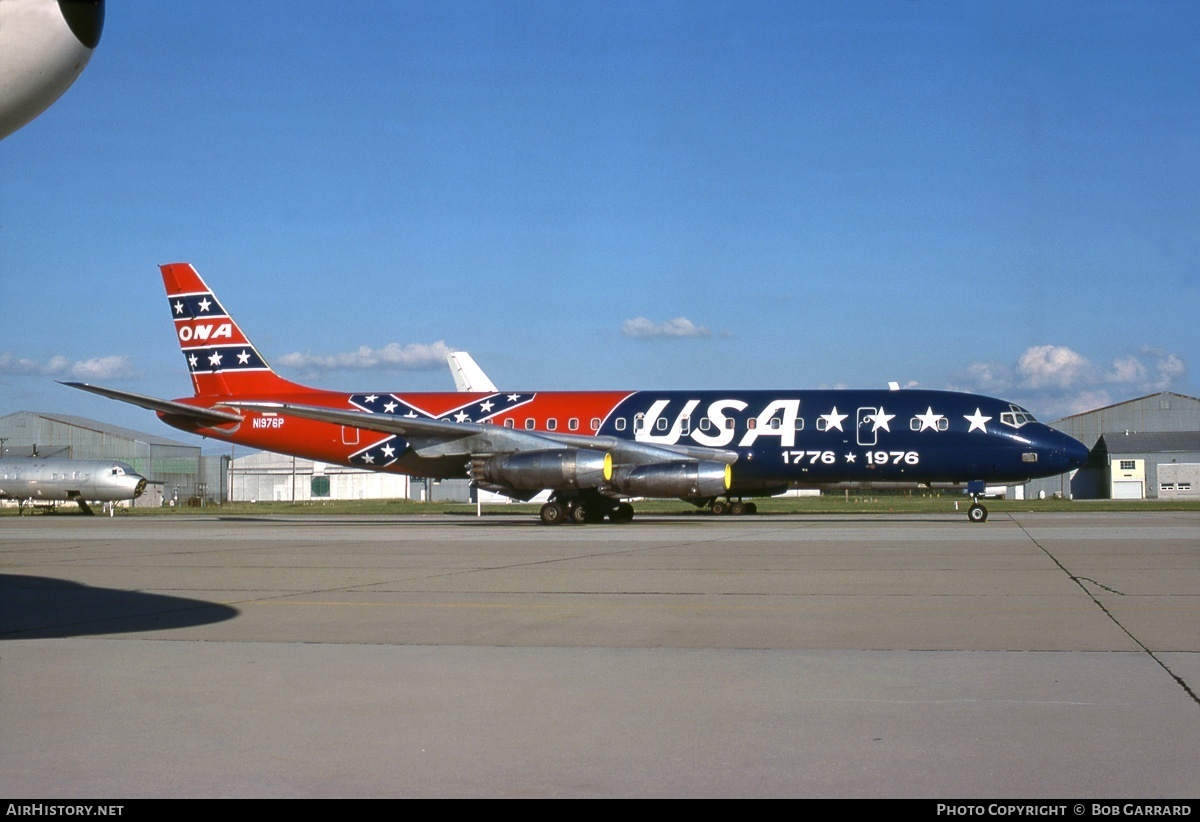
pixel 642 328
pixel 1057 381
pixel 1170 370
pixel 1053 366
pixel 97 368
pixel 1127 370
pixel 392 357
pixel 990 376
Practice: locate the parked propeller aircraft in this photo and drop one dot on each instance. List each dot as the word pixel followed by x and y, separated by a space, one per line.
pixel 44 46
pixel 596 449
pixel 32 480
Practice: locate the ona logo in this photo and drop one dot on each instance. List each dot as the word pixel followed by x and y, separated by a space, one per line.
pixel 205 331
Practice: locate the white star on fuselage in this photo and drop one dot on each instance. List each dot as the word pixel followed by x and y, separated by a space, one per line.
pixel 929 419
pixel 833 419
pixel 514 397
pixel 368 459
pixel 204 304
pixel 390 407
pixel 880 419
pixel 372 398
pixel 214 358
pixel 977 420
pixel 850 457
pixel 462 416
pixel 388 451
pixel 486 406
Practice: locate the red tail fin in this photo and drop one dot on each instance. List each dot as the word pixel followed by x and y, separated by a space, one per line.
pixel 221 360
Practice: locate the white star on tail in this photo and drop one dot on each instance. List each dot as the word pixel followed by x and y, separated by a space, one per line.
pixel 977 420
pixel 214 359
pixel 833 419
pixel 929 419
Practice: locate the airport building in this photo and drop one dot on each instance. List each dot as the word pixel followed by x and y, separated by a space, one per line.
pixel 265 476
pixel 172 469
pixel 1145 448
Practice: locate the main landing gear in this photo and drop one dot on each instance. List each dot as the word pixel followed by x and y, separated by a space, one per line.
pixel 582 510
pixel 732 506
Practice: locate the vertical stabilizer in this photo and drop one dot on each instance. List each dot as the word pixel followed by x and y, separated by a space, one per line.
pixel 468 376
pixel 220 359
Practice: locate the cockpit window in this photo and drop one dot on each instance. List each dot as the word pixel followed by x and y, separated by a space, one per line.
pixel 1016 416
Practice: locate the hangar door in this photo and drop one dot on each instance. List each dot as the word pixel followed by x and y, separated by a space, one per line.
pixel 1127 489
pixel 1128 478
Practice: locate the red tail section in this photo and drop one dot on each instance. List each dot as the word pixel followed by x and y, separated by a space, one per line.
pixel 221 360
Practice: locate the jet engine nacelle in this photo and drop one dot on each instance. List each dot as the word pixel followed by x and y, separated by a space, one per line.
pixel 691 480
pixel 557 469
pixel 44 45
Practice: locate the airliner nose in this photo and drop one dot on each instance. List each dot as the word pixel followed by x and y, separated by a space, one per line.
pixel 1067 453
pixel 1075 452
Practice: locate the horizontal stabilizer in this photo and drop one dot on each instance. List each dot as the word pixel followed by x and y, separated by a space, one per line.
pixel 207 416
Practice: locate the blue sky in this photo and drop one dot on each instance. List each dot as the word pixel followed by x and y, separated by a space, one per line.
pixel 1002 197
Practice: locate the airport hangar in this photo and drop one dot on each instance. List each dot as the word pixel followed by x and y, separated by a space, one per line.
pixel 1144 448
pixel 179 474
pixel 169 467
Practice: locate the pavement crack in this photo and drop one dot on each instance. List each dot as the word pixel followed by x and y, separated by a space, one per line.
pixel 1094 582
pixel 1079 581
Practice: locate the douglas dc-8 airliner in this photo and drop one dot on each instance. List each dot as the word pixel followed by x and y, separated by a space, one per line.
pixel 594 450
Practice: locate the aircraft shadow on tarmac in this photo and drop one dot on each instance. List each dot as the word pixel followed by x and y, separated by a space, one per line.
pixel 47 608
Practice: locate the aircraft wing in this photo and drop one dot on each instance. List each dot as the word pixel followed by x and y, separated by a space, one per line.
pixel 204 416
pixel 436 438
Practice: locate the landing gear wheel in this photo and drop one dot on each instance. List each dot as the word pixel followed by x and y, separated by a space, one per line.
pixel 552 513
pixel 622 513
pixel 737 508
pixel 579 514
pixel 719 508
pixel 977 513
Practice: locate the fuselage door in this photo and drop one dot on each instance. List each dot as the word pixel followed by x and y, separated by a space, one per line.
pixel 868 433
